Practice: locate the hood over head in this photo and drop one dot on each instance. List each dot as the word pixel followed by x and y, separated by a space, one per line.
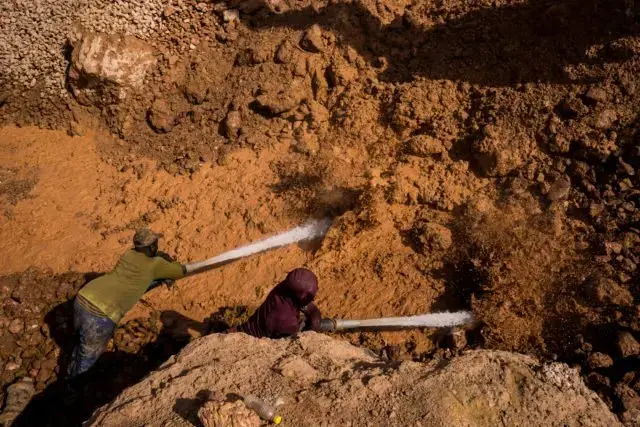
pixel 302 285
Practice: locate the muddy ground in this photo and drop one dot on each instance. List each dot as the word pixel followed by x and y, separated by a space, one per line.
pixel 479 155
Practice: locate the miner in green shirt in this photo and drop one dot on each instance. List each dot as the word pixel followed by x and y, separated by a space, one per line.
pixel 101 303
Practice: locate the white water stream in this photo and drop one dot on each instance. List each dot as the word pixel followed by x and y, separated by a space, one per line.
pixel 310 231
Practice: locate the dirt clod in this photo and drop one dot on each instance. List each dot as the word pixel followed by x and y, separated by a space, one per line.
pixel 16 326
pixel 628 398
pixel 607 291
pixel 496 152
pixel 312 40
pixel 161 117
pixel 423 146
pixel 599 360
pixel 223 414
pixel 232 124
pixel 627 345
pixel 434 237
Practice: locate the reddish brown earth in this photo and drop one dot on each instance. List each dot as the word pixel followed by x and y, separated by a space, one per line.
pixel 478 155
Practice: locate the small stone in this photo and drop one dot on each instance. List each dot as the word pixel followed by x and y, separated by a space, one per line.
pixel 456 340
pixel 597 94
pixel 300 67
pixel 630 239
pixel 75 129
pixel 319 114
pixel 161 117
pixel 599 360
pixel 613 247
pixel 44 375
pixel 607 291
pixel 351 55
pixel 623 277
pixel 249 57
pixel 631 418
pixel 284 54
pixel 628 377
pixel 628 265
pixel 12 366
pixel 16 326
pixel 559 189
pixel 168 11
pixel 625 167
pixel 219 413
pixel 312 40
pixel 232 124
pixel 627 396
pixel 595 210
pixel 627 345
pixel 625 185
pixel 605 119
pixel 298 370
pixel 201 7
pixel 307 143
pixel 196 90
pixel 230 15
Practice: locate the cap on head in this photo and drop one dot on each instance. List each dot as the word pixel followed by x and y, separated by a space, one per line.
pixel 303 285
pixel 145 237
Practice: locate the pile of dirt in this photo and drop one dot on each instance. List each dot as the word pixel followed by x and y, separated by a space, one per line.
pixel 323 381
pixel 309 74
pixel 475 155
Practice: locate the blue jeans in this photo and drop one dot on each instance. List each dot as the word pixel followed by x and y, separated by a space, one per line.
pixel 93 335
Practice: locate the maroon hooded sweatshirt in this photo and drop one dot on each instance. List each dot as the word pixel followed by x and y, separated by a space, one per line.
pixel 279 314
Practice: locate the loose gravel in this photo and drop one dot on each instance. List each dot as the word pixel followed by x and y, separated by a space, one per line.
pixel 34 34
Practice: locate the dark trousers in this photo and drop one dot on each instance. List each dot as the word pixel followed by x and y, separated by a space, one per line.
pixel 92 336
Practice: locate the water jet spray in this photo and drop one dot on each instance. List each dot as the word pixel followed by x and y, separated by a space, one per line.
pixel 432 320
pixel 310 231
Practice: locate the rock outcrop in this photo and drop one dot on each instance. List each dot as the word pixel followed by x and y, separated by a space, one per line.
pixel 325 381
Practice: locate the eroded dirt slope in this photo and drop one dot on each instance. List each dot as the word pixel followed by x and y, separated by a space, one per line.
pixel 477 155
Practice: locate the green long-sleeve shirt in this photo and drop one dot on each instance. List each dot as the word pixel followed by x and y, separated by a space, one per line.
pixel 116 292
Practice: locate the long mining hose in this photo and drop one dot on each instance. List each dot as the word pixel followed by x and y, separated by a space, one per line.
pixel 310 231
pixel 431 320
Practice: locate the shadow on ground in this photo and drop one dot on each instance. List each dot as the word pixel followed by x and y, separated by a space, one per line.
pixel 533 41
pixel 69 403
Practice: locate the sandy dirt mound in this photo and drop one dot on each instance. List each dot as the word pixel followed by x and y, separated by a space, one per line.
pixel 327 382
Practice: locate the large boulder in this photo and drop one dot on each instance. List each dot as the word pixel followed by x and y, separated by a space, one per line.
pixel 106 68
pixel 325 381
